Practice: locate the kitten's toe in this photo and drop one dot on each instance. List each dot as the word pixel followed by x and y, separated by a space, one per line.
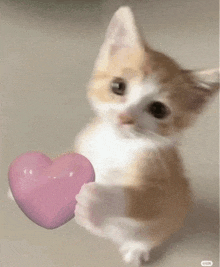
pixel 135 253
pixel 89 211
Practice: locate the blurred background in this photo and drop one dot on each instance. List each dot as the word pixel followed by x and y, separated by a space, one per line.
pixel 48 50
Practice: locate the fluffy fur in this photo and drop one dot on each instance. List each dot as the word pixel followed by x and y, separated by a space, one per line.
pixel 141 195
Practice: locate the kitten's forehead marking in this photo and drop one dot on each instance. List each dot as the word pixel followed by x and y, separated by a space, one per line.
pixel 139 91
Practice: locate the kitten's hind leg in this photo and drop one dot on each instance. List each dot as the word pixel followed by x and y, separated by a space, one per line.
pixel 136 253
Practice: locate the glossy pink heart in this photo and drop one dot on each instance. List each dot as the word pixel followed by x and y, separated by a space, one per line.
pixel 45 190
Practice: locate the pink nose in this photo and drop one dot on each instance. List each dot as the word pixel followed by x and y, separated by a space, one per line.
pixel 125 118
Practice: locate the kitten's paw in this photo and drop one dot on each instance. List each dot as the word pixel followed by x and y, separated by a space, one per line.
pixel 90 211
pixel 9 195
pixel 98 202
pixel 136 253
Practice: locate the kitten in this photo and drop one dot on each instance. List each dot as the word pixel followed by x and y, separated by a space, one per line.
pixel 143 101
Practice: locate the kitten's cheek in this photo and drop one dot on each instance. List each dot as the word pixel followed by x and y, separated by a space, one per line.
pixel 127 127
pixel 148 124
pixel 123 99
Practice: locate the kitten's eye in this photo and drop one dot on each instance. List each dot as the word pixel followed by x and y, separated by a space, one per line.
pixel 118 86
pixel 158 110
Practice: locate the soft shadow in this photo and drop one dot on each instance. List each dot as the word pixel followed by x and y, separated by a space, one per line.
pixel 203 218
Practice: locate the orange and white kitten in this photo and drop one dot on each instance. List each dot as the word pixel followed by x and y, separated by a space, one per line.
pixel 143 101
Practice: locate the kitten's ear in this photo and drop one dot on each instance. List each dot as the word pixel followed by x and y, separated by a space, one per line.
pixel 208 79
pixel 121 33
pixel 207 85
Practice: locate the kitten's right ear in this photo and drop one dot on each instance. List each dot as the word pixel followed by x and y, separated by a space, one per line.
pixel 121 33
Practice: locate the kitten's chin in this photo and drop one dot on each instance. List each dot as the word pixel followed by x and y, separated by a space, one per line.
pixel 129 131
pixel 132 132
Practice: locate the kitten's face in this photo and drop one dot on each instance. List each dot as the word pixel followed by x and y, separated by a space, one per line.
pixel 140 91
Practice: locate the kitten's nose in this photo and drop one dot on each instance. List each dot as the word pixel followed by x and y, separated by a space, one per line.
pixel 125 118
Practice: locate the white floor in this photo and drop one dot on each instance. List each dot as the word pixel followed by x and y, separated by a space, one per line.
pixel 48 50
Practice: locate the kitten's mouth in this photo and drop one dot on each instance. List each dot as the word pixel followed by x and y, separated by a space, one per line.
pixel 129 130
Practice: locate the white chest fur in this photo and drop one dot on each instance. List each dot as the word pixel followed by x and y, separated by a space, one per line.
pixel 110 153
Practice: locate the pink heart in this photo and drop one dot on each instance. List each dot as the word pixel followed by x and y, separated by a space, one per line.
pixel 45 190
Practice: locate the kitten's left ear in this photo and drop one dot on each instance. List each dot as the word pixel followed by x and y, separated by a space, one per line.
pixel 205 86
pixel 121 33
pixel 208 79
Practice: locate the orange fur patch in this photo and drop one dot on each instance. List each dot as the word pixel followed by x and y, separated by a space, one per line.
pixel 177 87
pixel 157 190
pixel 126 64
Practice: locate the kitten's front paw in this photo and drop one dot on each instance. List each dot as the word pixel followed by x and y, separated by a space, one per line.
pixel 90 211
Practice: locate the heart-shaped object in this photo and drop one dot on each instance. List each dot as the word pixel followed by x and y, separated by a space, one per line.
pixel 45 190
